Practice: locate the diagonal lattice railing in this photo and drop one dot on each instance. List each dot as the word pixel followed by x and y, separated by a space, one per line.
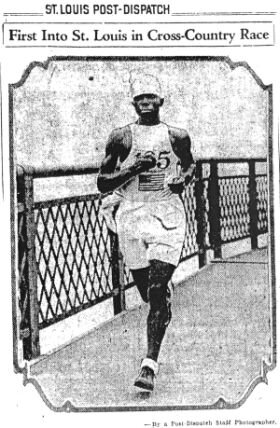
pixel 68 260
pixel 72 255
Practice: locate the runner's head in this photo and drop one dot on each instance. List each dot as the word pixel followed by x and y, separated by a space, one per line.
pixel 147 97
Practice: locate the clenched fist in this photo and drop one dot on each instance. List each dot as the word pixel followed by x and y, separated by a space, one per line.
pixel 176 185
pixel 143 163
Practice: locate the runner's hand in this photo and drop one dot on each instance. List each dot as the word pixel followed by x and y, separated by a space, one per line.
pixel 176 185
pixel 144 163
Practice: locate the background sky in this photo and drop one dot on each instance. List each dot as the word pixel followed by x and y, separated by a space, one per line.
pixel 64 114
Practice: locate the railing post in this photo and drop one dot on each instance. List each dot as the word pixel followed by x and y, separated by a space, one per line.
pixel 253 205
pixel 117 275
pixel 214 210
pixel 200 215
pixel 28 268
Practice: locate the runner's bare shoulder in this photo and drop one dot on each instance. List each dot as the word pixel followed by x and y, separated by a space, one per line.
pixel 119 142
pixel 179 137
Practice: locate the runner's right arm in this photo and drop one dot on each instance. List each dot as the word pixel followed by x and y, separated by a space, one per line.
pixel 109 178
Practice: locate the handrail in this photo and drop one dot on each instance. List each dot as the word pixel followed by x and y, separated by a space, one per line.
pixel 93 168
pixel 57 171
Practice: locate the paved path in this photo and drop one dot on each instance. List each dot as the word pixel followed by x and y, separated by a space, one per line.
pixel 214 348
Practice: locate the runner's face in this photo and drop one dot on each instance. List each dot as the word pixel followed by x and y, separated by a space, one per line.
pixel 147 105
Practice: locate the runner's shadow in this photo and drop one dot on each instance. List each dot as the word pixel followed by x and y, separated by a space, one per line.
pixel 143 395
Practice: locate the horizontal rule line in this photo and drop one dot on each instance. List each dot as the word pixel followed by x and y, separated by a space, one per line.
pixel 221 13
pixel 23 14
pixel 140 47
pixel 140 23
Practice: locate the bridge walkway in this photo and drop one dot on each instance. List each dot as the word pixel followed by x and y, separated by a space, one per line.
pixel 214 348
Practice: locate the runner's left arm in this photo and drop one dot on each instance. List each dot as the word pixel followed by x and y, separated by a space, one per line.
pixel 181 144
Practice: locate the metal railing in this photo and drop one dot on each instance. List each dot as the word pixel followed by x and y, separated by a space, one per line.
pixel 68 260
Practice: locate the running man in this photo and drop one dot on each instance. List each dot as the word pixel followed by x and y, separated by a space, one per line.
pixel 146 165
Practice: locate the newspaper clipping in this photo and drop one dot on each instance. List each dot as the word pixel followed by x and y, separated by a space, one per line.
pixel 140 197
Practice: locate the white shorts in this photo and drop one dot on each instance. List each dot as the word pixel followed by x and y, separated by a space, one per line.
pixel 151 231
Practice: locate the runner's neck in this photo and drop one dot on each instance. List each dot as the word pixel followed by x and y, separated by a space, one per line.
pixel 148 121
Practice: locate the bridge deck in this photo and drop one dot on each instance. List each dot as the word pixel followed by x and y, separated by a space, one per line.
pixel 214 347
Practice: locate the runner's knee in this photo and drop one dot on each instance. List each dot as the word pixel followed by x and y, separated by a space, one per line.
pixel 157 296
pixel 141 279
pixel 160 272
pixel 160 306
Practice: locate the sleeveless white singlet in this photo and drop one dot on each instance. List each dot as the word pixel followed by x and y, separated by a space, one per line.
pixel 151 185
pixel 150 220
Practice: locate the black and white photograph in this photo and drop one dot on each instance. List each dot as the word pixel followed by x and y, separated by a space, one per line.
pixel 139 216
pixel 143 241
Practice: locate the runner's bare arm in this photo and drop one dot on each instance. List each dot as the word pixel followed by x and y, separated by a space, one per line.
pixel 117 148
pixel 181 144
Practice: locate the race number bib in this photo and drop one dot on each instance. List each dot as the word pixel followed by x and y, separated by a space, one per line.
pixel 154 179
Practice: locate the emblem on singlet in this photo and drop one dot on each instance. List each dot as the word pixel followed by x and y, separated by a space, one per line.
pixel 151 181
pixel 154 179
